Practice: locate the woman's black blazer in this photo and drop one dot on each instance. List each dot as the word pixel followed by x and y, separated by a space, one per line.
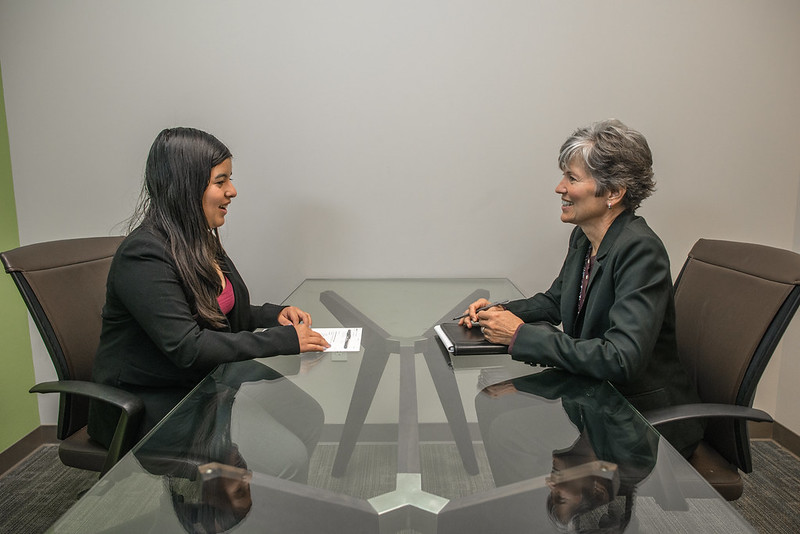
pixel 152 343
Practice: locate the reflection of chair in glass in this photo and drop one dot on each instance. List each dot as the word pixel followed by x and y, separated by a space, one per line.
pixel 63 284
pixel 733 303
pixel 378 345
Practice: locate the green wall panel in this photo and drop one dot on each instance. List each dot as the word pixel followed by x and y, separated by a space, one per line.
pixel 19 411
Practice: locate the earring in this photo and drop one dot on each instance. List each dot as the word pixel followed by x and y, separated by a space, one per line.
pixel 609 204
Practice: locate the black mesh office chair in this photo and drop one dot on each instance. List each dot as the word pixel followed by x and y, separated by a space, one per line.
pixel 733 303
pixel 63 283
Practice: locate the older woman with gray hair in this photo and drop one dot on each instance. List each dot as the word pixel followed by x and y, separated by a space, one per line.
pixel 614 295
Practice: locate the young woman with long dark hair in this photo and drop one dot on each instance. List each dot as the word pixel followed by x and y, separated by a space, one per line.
pixel 176 306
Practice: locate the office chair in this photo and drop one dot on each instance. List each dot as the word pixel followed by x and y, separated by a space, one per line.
pixel 63 283
pixel 733 303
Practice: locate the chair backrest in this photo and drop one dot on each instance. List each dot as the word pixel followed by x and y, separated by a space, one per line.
pixel 63 283
pixel 733 303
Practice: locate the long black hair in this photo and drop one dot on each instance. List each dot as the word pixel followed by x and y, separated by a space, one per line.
pixel 171 203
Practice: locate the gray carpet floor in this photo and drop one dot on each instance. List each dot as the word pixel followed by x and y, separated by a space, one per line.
pixel 40 489
pixel 771 498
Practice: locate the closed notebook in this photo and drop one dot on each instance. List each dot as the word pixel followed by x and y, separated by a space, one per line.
pixel 460 340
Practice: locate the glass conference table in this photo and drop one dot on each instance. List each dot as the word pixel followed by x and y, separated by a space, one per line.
pixel 400 437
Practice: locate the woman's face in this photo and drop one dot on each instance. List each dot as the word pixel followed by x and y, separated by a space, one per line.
pixel 218 194
pixel 567 496
pixel 579 205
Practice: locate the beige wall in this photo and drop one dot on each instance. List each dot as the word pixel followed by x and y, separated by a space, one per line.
pixel 413 138
pixel 780 385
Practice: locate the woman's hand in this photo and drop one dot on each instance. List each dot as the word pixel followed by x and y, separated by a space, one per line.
pixel 473 317
pixel 310 341
pixel 498 325
pixel 293 315
pixel 500 389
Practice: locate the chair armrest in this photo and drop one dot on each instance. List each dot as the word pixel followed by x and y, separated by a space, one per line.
pixel 130 405
pixel 127 402
pixel 694 411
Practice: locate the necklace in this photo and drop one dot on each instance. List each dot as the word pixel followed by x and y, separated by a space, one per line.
pixel 584 282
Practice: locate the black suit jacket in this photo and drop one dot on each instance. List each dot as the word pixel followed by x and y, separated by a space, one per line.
pixel 625 332
pixel 152 343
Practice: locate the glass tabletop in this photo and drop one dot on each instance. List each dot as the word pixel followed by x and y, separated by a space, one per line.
pixel 400 436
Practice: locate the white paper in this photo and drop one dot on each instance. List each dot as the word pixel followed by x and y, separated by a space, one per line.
pixel 341 339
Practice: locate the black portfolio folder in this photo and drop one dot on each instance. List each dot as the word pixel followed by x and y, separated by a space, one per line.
pixel 460 340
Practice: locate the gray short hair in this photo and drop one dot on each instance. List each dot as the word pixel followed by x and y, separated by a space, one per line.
pixel 616 156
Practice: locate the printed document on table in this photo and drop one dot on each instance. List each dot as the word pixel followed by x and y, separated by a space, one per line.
pixel 341 339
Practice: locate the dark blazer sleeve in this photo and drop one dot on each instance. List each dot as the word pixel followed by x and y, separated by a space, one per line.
pixel 540 307
pixel 145 284
pixel 629 292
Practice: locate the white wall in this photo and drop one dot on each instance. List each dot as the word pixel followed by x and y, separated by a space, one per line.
pixel 413 138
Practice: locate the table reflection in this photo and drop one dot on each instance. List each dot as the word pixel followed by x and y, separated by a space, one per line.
pixel 246 417
pixel 593 466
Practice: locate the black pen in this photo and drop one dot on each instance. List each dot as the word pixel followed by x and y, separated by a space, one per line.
pixel 503 303
pixel 347 338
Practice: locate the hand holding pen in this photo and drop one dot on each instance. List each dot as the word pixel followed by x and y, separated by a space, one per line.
pixel 497 326
pixel 477 306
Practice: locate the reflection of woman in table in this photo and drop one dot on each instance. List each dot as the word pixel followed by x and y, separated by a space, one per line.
pixel 595 460
pixel 614 294
pixel 244 418
pixel 176 306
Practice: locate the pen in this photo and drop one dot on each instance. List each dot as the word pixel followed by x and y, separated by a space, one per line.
pixel 503 303
pixel 347 338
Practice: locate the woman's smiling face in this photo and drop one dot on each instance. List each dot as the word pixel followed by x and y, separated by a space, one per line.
pixel 579 203
pixel 218 194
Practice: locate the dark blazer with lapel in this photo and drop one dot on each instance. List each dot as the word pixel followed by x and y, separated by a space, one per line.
pixel 625 332
pixel 152 342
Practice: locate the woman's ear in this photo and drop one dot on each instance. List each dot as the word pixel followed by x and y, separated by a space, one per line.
pixel 615 197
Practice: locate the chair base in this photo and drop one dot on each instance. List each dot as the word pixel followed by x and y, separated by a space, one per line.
pixel 81 451
pixel 720 473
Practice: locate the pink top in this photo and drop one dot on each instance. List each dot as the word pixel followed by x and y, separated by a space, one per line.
pixel 226 300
